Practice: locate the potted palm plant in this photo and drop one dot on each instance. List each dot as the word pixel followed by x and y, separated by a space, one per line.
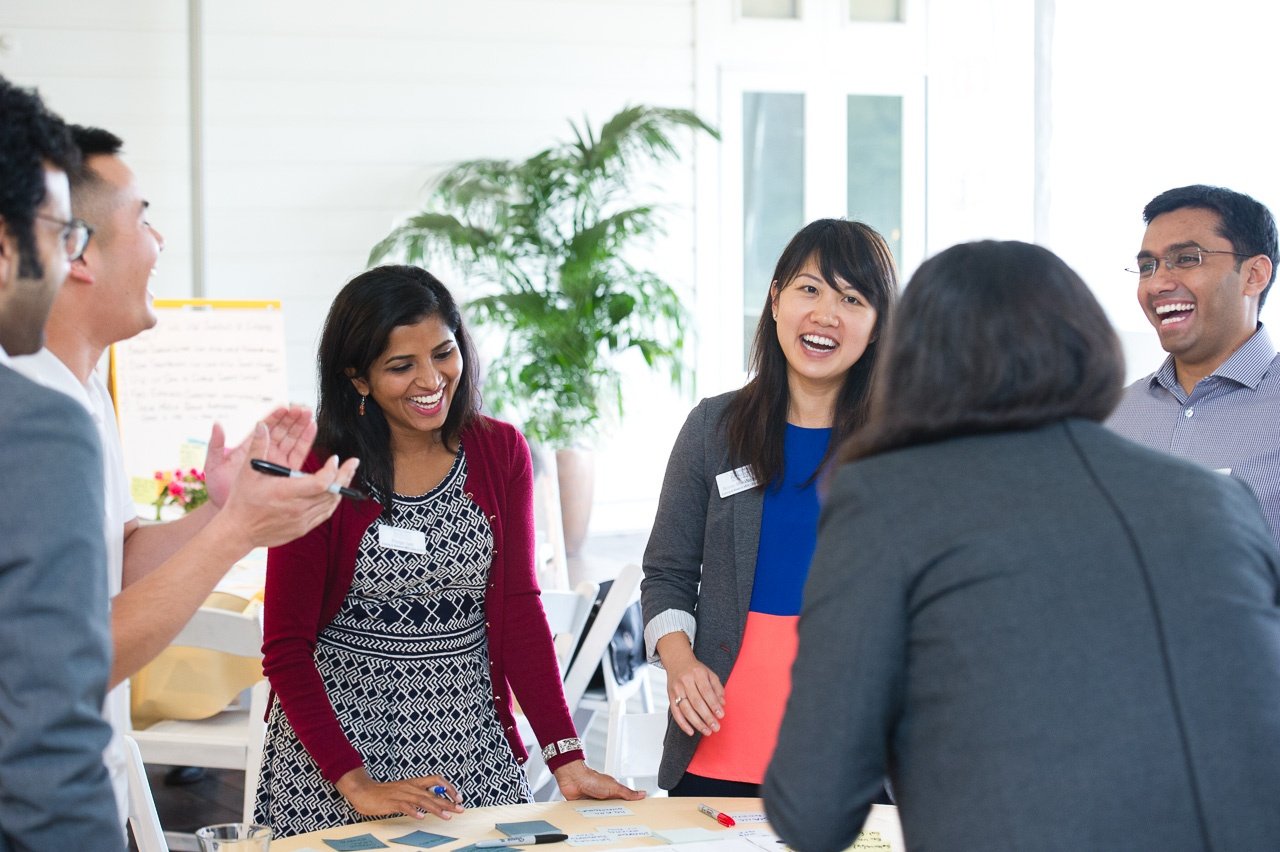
pixel 544 241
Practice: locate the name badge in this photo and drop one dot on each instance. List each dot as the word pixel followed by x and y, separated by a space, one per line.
pixel 734 481
pixel 398 538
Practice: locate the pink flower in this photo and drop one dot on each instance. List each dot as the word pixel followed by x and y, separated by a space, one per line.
pixel 175 489
pixel 160 475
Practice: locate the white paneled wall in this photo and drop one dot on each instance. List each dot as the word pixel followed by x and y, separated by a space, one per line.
pixel 324 120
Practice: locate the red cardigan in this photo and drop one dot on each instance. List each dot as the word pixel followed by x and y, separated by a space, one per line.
pixel 308 579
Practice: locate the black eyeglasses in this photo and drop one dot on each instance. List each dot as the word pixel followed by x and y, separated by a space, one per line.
pixel 75 234
pixel 1184 258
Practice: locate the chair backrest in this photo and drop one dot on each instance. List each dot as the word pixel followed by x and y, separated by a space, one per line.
pixel 625 589
pixel 143 819
pixel 217 742
pixel 222 630
pixel 566 614
pixel 633 749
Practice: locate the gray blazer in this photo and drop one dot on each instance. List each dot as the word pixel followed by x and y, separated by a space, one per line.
pixel 701 557
pixel 1051 639
pixel 54 641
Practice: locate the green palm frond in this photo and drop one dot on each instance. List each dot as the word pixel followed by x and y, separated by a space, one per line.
pixel 549 238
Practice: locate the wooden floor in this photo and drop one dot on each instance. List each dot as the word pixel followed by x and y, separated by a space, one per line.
pixel 217 798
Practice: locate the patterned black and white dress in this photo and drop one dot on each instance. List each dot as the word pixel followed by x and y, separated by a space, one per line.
pixel 405 664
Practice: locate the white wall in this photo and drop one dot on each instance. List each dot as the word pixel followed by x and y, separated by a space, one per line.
pixel 324 120
pixel 1147 97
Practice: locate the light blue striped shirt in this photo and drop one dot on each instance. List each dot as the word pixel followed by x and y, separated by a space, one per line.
pixel 1229 422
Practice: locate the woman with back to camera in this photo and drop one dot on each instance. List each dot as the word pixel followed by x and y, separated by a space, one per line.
pixel 1049 637
pixel 397 631
pixel 737 519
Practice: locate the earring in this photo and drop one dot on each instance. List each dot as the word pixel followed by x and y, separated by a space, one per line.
pixel 362 399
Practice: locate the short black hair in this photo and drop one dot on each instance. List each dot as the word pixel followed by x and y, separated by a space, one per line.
pixel 30 137
pixel 91 142
pixel 990 337
pixel 358 330
pixel 1242 220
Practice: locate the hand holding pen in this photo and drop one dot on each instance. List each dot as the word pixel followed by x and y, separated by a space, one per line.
pixel 265 511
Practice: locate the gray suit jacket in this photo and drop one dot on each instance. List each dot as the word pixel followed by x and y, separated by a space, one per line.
pixel 54 640
pixel 701 557
pixel 1051 639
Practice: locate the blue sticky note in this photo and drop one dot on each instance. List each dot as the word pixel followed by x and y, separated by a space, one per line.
pixel 533 826
pixel 422 839
pixel 360 841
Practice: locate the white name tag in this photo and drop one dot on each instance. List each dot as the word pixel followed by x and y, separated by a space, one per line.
pixel 398 538
pixel 734 481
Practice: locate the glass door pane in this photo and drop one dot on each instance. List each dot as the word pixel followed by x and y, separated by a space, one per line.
pixel 875 11
pixel 770 8
pixel 772 191
pixel 875 165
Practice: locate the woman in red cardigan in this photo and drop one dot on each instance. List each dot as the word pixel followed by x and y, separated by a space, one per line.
pixel 397 632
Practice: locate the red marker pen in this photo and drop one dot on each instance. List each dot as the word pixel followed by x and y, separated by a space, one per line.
pixel 723 819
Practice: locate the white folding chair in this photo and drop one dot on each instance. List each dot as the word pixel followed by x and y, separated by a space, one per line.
pixel 148 836
pixel 634 747
pixel 590 653
pixel 567 614
pixel 231 739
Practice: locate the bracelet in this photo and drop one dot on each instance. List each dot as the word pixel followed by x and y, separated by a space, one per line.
pixel 561 747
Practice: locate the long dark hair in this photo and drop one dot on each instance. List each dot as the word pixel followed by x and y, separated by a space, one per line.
pixel 756 420
pixel 990 337
pixel 355 333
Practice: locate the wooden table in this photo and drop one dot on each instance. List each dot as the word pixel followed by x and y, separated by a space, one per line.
pixel 883 831
pixel 478 823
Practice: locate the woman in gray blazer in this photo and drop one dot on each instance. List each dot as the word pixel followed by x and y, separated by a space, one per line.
pixel 1050 638
pixel 737 519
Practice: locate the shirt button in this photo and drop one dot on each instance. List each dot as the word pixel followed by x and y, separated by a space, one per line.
pixel 1189 412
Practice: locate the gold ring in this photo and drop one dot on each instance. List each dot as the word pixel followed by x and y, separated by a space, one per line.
pixel 679 698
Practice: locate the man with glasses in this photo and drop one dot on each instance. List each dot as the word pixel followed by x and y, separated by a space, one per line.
pixel 1207 261
pixel 54 651
pixel 159 574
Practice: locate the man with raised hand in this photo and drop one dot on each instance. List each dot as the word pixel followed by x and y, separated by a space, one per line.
pixel 160 574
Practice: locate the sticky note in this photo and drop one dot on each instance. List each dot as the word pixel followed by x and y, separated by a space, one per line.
pixel 422 839
pixel 589 839
pixel 533 826
pixel 604 811
pixel 360 841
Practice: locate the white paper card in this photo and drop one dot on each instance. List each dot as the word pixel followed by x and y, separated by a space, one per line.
pixel 592 838
pixel 622 832
pixel 399 538
pixel 748 816
pixel 735 481
pixel 1225 470
pixel 689 835
pixel 604 811
pixel 756 832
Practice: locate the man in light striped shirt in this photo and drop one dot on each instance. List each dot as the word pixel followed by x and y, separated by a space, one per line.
pixel 1207 261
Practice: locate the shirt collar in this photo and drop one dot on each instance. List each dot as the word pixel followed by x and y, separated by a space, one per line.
pixel 52 373
pixel 1247 366
pixel 4 357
